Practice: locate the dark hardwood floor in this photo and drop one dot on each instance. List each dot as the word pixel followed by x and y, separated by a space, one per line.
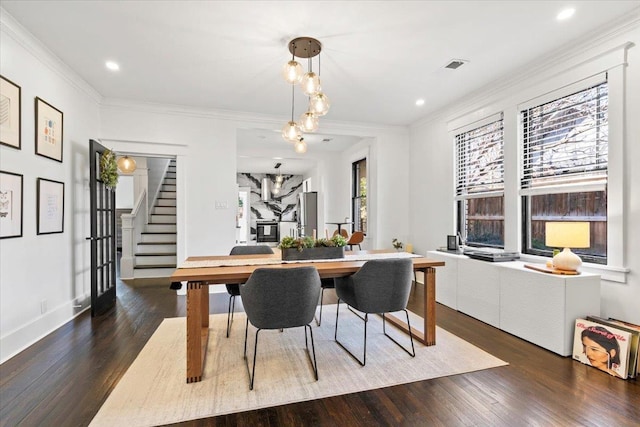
pixel 63 379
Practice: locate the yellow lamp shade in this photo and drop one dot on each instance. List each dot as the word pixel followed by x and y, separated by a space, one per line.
pixel 567 235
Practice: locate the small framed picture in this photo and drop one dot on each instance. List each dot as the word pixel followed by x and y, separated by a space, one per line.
pixel 48 130
pixel 10 113
pixel 10 205
pixel 50 206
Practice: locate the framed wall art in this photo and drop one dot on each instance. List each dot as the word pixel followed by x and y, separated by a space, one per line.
pixel 10 111
pixel 10 205
pixel 50 206
pixel 48 130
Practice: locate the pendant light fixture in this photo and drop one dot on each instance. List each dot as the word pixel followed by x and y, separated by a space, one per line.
pixel 279 180
pixel 301 146
pixel 309 48
pixel 126 164
pixel 291 131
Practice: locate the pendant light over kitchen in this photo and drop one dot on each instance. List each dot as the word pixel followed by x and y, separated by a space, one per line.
pixel 279 180
pixel 309 48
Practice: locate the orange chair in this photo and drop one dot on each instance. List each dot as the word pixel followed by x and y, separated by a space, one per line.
pixel 356 238
pixel 343 232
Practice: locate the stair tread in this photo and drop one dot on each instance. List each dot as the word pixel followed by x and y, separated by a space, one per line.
pixel 157 243
pixel 158 232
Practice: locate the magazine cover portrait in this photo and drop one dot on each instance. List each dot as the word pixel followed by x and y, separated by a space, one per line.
pixel 605 348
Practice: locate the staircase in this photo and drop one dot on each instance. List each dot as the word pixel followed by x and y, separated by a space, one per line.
pixel 155 254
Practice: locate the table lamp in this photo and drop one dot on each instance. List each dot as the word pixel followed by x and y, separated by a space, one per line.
pixel 567 235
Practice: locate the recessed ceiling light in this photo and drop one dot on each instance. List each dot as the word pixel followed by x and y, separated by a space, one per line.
pixel 420 102
pixel 113 66
pixel 565 14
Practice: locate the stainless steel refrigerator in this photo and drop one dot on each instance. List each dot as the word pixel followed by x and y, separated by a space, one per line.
pixel 307 213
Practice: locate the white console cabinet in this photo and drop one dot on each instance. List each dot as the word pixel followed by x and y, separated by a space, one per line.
pixel 538 307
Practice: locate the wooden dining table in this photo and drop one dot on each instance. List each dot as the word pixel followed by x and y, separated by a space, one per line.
pixel 198 281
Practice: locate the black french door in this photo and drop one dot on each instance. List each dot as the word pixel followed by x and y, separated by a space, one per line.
pixel 103 236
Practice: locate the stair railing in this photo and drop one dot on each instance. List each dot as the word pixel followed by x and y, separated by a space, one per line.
pixel 133 225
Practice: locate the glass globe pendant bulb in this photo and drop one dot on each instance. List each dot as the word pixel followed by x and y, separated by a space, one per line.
pixel 291 132
pixel 300 147
pixel 319 104
pixel 310 83
pixel 126 164
pixel 309 122
pixel 292 72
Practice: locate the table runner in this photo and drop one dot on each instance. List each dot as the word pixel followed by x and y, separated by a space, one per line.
pixel 273 261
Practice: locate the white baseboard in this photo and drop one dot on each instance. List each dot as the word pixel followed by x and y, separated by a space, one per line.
pixel 18 340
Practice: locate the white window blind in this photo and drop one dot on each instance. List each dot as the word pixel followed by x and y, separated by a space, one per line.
pixel 480 161
pixel 566 143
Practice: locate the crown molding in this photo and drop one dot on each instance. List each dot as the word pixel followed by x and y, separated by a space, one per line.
pixel 12 28
pixel 255 119
pixel 565 57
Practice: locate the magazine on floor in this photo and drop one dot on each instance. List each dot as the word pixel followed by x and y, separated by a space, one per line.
pixel 634 346
pixel 602 346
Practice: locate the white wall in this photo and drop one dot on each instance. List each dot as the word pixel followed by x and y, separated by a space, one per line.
pixel 124 192
pixel 204 143
pixel 52 268
pixel 432 154
pixel 388 194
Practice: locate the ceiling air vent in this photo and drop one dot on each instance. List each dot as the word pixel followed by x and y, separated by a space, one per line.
pixel 455 63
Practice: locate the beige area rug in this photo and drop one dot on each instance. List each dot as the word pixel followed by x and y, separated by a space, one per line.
pixel 154 391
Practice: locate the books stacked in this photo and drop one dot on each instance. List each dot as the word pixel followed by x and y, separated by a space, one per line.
pixel 608 344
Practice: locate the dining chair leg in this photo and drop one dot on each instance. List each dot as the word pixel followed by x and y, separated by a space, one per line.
pixel 366 320
pixel 232 309
pixel 252 371
pixel 314 363
pixel 412 353
pixel 319 318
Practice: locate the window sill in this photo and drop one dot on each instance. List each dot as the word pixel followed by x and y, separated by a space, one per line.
pixel 606 272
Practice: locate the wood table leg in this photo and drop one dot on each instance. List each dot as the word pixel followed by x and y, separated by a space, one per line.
pixel 197 329
pixel 428 337
pixel 430 306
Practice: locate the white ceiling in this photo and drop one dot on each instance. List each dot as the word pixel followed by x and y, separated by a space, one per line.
pixel 378 57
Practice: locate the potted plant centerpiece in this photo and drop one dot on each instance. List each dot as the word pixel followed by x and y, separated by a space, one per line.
pixel 304 248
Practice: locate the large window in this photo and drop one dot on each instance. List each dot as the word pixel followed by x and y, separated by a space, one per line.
pixel 480 184
pixel 359 195
pixel 564 169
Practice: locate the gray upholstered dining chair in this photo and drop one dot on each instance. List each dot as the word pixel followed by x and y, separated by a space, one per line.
pixel 380 286
pixel 234 289
pixel 280 298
